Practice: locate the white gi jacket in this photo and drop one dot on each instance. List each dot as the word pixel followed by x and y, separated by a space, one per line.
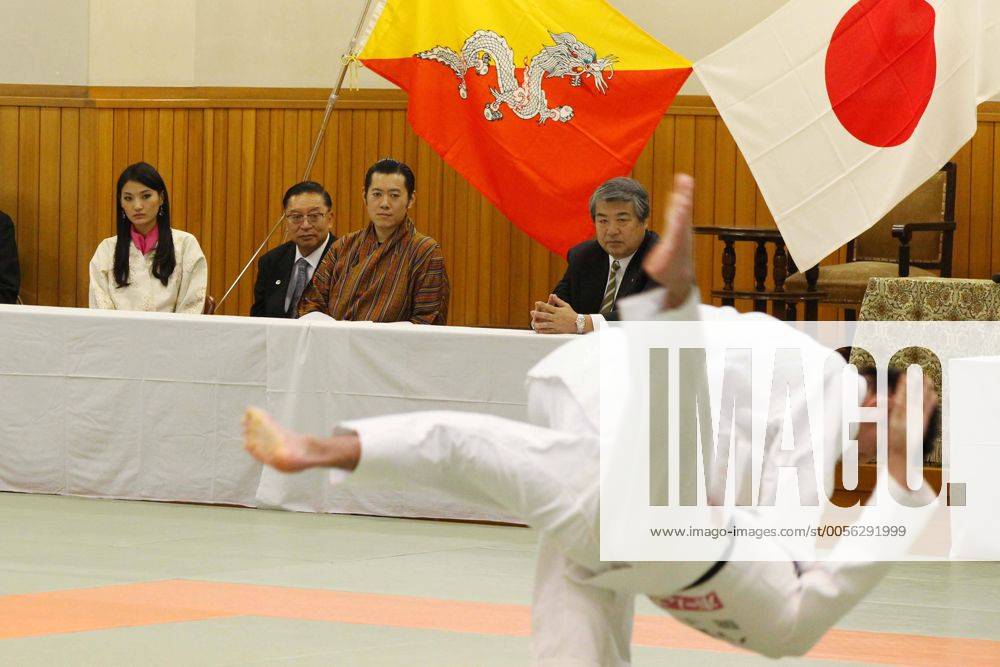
pixel 549 476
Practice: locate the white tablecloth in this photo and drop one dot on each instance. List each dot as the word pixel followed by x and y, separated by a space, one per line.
pixel 148 406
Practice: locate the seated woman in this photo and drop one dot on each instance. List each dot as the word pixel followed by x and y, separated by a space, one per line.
pixel 147 266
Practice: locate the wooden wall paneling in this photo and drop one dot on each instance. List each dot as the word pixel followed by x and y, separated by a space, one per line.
pixel 385 146
pixel 500 273
pixel 261 221
pixel 538 281
pixel 343 191
pixel 233 208
pixel 459 250
pixel 119 140
pixel 644 166
pixel 704 173
pixel 48 206
pixel 9 175
pixel 9 119
pixel 557 267
pixel 684 127
pixel 293 161
pixel 87 204
pixel 663 161
pixel 194 198
pixel 521 298
pixel 432 179
pixel 213 158
pixel 411 155
pixel 397 130
pixel 304 142
pixel 229 222
pixel 165 145
pixel 358 165
pixel 276 182
pixel 708 253
pixel 135 146
pixel 319 169
pixel 158 131
pixel 105 177
pixel 27 202
pixel 248 157
pixel 427 209
pixel 150 137
pixel 371 153
pixel 442 210
pixel 963 204
pixel 995 199
pixel 473 239
pixel 981 204
pixel 176 156
pixel 485 263
pixel 69 220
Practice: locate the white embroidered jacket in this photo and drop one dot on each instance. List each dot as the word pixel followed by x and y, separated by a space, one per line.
pixel 184 292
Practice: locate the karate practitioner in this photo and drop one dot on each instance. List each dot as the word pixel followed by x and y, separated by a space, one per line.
pixel 757 594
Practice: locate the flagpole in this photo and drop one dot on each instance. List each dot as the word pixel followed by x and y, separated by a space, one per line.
pixel 347 61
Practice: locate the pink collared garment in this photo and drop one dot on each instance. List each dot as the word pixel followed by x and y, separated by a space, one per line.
pixel 145 243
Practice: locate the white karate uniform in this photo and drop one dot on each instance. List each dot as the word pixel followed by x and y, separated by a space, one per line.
pixel 547 473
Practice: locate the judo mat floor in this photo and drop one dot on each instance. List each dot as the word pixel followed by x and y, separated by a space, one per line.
pixel 106 582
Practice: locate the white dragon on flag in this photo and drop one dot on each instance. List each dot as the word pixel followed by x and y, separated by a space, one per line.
pixel 568 58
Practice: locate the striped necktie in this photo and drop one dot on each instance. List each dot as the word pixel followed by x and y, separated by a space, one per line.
pixel 609 294
pixel 298 286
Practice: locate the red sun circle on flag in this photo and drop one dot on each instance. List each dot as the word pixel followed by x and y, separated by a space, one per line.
pixel 881 67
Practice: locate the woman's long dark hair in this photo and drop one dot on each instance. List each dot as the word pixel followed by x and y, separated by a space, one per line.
pixel 164 260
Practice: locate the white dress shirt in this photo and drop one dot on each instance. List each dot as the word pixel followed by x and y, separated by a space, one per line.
pixel 313 259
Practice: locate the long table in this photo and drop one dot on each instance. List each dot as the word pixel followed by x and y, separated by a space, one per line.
pixel 148 405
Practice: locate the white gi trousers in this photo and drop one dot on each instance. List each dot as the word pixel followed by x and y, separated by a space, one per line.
pixel 760 599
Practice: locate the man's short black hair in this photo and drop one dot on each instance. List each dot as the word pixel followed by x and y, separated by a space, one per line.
pixel 387 165
pixel 306 187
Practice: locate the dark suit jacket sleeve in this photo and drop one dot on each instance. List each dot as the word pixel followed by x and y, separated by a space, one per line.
pixel 260 289
pixel 10 270
pixel 564 290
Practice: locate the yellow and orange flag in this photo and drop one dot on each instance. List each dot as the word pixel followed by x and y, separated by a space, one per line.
pixel 534 103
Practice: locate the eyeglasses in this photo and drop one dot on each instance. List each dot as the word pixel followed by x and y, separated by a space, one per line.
pixel 298 218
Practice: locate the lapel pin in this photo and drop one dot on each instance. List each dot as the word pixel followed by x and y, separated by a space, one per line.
pixel 277 282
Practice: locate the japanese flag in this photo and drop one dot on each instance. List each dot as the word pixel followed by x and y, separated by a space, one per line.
pixel 844 107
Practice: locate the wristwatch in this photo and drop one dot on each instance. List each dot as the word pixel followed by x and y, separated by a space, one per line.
pixel 580 321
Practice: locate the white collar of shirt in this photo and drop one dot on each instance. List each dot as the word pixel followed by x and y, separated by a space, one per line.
pixel 622 266
pixel 313 257
pixel 313 260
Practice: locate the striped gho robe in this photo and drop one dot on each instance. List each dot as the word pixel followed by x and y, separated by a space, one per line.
pixel 400 280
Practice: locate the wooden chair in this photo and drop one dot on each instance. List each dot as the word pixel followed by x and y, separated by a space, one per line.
pixel 784 301
pixel 209 305
pixel 914 239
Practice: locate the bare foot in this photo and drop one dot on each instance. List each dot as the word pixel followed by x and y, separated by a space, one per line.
pixel 288 451
pixel 272 445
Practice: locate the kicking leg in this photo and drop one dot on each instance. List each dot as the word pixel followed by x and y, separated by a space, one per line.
pixel 545 478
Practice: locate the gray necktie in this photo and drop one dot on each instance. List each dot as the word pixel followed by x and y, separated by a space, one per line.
pixel 609 294
pixel 298 286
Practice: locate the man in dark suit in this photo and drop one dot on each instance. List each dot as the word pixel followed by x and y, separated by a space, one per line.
pixel 285 272
pixel 605 268
pixel 10 270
